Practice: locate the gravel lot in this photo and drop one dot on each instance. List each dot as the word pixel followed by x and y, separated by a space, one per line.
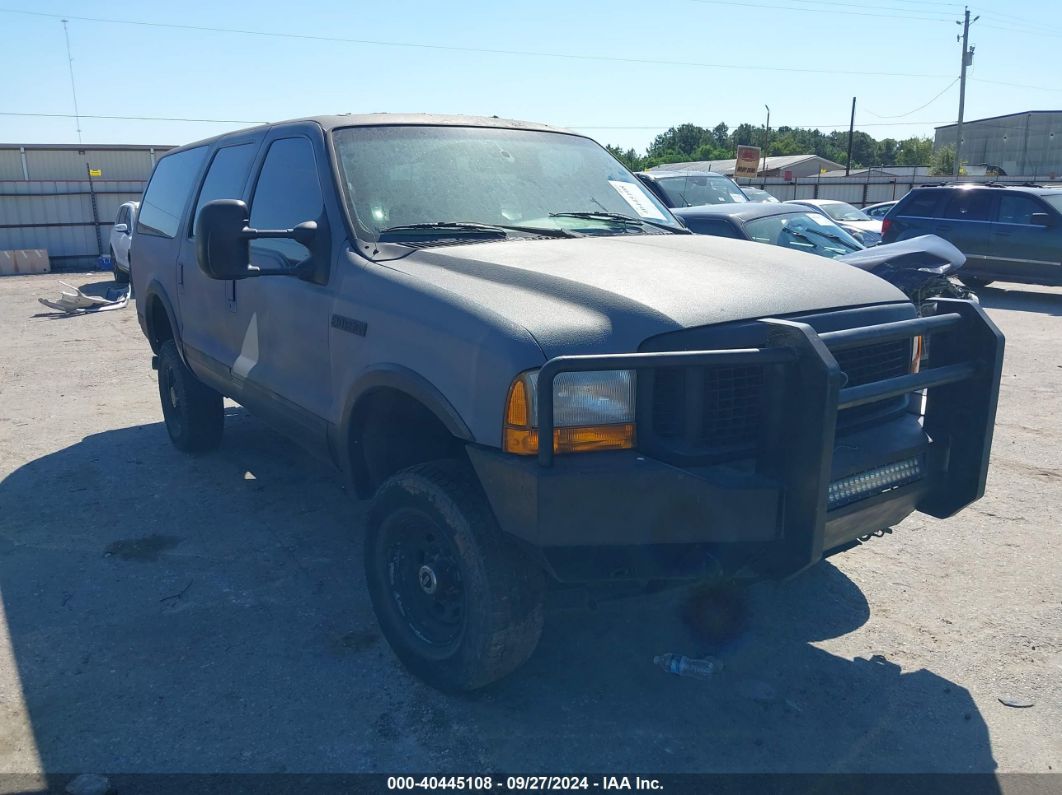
pixel 162 613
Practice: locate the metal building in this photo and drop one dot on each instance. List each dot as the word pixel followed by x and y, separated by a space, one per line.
pixel 1022 144
pixel 63 197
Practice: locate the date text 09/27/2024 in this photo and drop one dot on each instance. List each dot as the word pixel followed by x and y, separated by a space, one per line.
pixel 522 783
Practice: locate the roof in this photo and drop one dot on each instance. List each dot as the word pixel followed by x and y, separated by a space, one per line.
pixel 884 171
pixel 743 211
pixel 1003 116
pixel 780 162
pixel 815 202
pixel 1036 190
pixel 337 121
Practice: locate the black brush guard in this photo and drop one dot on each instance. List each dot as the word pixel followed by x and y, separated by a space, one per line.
pixel 806 389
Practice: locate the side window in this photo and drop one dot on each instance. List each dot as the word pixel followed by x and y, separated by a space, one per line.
pixel 1017 209
pixel 712 227
pixel 922 204
pixel 167 193
pixel 969 205
pixel 288 192
pixel 226 176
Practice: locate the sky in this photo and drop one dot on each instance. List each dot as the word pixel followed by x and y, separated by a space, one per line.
pixel 620 71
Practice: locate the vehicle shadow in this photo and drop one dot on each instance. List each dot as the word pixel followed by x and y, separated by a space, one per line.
pixel 1020 298
pixel 208 614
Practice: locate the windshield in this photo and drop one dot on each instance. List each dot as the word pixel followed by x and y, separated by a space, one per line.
pixel 804 231
pixel 697 190
pixel 839 211
pixel 510 179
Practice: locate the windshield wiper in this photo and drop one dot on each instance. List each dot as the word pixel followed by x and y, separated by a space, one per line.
pixel 473 227
pixel 601 215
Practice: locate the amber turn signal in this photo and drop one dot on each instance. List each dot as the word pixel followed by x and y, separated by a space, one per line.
pixel 521 438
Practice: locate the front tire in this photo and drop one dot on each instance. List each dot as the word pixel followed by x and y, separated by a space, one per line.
pixel 194 413
pixel 461 605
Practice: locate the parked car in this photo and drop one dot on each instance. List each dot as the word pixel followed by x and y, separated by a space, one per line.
pixel 121 238
pixel 1010 233
pixel 922 268
pixel 879 210
pixel 854 221
pixel 691 188
pixel 758 195
pixel 422 299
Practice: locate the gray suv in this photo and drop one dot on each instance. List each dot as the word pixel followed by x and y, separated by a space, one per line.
pixel 424 299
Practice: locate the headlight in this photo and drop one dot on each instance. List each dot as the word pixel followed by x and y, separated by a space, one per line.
pixel 591 411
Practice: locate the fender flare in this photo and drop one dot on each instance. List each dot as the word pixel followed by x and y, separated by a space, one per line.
pixel 156 290
pixel 403 379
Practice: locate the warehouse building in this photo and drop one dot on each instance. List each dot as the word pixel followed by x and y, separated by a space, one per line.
pixel 1021 144
pixel 785 166
pixel 63 197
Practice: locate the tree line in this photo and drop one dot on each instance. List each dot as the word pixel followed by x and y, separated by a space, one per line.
pixel 688 142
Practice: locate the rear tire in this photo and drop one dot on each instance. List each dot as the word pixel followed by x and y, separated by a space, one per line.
pixel 120 276
pixel 194 413
pixel 460 604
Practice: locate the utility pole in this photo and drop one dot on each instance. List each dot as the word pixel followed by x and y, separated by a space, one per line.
pixel 73 88
pixel 766 138
pixel 967 60
pixel 851 132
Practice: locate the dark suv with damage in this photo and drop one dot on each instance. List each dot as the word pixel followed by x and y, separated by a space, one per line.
pixel 537 374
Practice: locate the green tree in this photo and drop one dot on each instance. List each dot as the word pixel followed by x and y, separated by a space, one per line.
pixel 628 157
pixel 943 163
pixel 914 152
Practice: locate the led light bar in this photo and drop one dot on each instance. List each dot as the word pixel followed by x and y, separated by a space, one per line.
pixel 861 485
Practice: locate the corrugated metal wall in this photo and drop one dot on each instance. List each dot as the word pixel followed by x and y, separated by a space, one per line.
pixel 59 208
pixel 857 191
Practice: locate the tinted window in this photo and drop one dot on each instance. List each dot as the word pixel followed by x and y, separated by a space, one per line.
pixel 226 176
pixel 167 193
pixel 922 204
pixel 712 226
pixel 968 205
pixel 1017 209
pixel 698 190
pixel 288 193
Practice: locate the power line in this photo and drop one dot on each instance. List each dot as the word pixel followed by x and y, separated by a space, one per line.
pixel 920 107
pixel 830 11
pixel 131 118
pixel 456 48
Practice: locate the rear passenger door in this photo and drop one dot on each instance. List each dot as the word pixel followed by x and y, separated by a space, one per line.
pixel 280 324
pixel 204 303
pixel 965 220
pixel 1021 248
pixel 159 224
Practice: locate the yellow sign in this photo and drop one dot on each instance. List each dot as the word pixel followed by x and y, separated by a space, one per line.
pixel 748 161
pixel 95 172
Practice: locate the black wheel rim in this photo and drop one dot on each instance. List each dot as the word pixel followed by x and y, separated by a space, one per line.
pixel 171 400
pixel 424 579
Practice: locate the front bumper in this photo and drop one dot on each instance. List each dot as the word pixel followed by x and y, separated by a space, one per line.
pixel 592 514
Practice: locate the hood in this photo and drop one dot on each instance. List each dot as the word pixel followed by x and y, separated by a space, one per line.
pixel 608 294
pixel 916 253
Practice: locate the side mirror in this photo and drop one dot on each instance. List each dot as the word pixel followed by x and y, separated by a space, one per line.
pixel 222 245
pixel 1041 219
pixel 124 228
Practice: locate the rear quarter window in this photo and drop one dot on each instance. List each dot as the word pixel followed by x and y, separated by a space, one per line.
pixel 712 226
pixel 919 204
pixel 168 191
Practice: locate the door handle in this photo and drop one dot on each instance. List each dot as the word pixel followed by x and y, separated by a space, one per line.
pixel 1002 234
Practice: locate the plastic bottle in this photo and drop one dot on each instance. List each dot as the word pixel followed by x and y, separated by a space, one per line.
pixel 681 665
